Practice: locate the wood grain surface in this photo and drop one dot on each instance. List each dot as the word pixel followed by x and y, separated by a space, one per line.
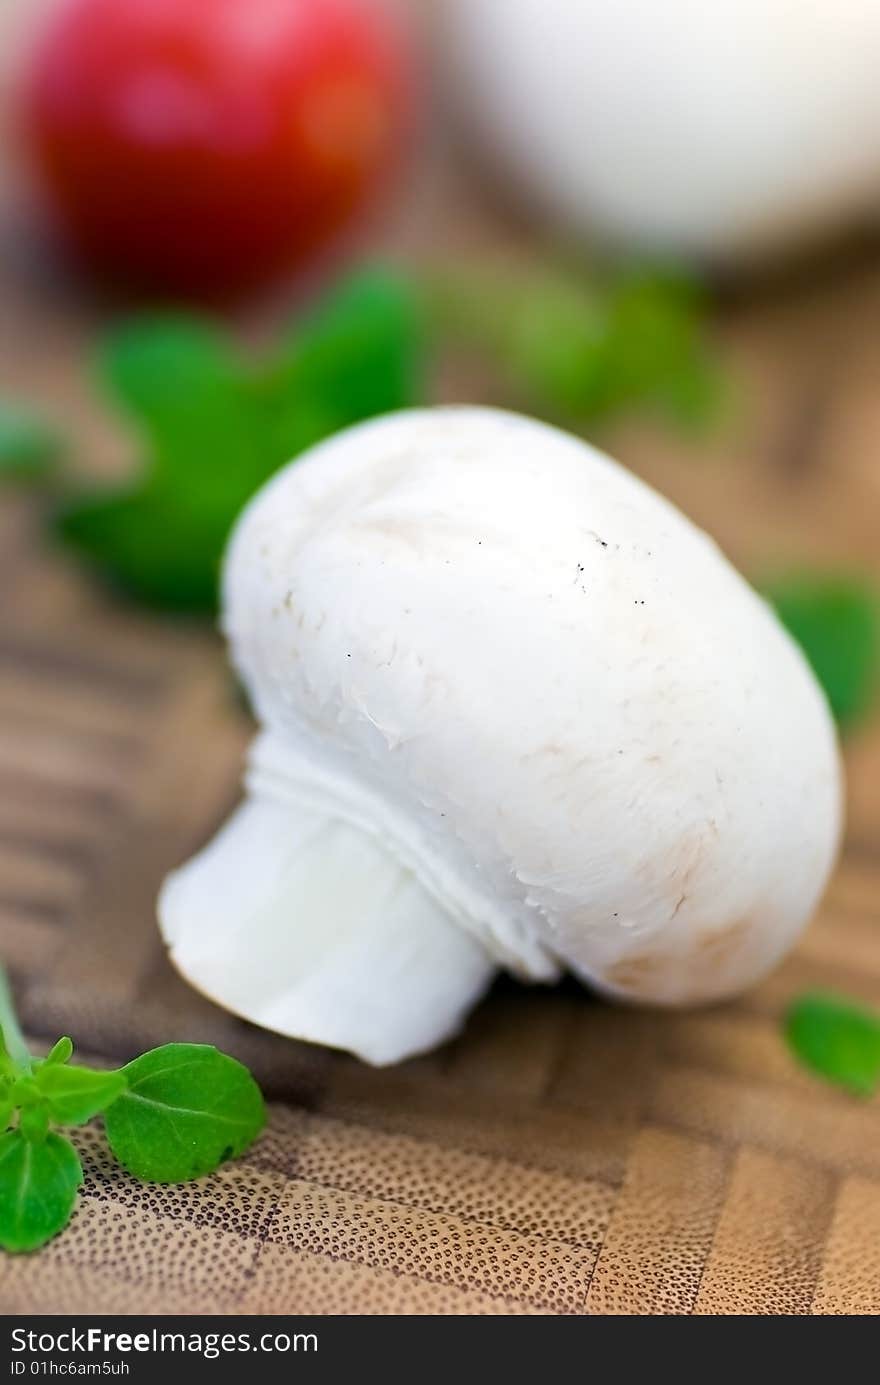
pixel 562 1156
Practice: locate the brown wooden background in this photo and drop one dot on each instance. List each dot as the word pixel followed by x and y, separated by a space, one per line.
pixel 560 1157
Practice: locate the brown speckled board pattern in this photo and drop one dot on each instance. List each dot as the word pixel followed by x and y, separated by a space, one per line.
pixel 562 1156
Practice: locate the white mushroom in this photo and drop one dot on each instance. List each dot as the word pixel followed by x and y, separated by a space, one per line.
pixel 517 712
pixel 721 129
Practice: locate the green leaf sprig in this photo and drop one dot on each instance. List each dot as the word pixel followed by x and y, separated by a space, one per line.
pixel 836 621
pixel 837 1039
pixel 174 1114
pixel 215 426
pixel 579 346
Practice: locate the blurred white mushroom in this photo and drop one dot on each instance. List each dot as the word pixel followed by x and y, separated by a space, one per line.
pixel 719 129
pixel 517 712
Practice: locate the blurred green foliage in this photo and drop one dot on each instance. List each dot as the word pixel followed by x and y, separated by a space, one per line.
pixel 582 348
pixel 29 448
pixel 837 1039
pixel 214 427
pixel 836 621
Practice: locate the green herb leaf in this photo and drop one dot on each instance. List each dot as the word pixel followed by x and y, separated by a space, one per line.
pixel 73 1094
pixel 149 546
pixel 836 622
pixel 60 1051
pixel 357 355
pixel 186 1110
pixel 216 427
pixel 7 1065
pixel 655 353
pixel 33 1122
pixel 25 1091
pixel 7 1106
pixel 555 349
pixel 15 1057
pixel 38 1185
pixel 837 1039
pixel 190 1108
pixel 28 447
pixel 582 346
pixel 160 540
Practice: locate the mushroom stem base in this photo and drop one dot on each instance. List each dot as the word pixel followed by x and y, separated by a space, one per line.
pixel 304 925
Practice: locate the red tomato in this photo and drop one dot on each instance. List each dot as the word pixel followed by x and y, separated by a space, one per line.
pixel 205 146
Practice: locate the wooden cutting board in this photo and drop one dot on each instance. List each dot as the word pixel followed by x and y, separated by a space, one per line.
pixel 562 1156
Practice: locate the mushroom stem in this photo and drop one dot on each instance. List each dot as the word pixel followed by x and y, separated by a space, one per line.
pixel 305 925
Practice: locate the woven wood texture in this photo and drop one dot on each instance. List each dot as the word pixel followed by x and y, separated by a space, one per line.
pixel 562 1156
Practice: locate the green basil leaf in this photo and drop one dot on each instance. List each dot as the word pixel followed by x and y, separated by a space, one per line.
pixel 74 1095
pixel 654 350
pixel 7 1063
pixel 357 355
pixel 149 546
pixel 187 1109
pixel 836 622
pixel 60 1052
pixel 837 1039
pixel 585 346
pixel 33 1122
pixel 7 1106
pixel 38 1185
pixel 25 1091
pixel 216 427
pixel 161 539
pixel 182 383
pixel 556 348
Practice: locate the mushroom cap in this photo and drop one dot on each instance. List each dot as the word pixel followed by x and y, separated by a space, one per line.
pixel 483 643
pixel 726 131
